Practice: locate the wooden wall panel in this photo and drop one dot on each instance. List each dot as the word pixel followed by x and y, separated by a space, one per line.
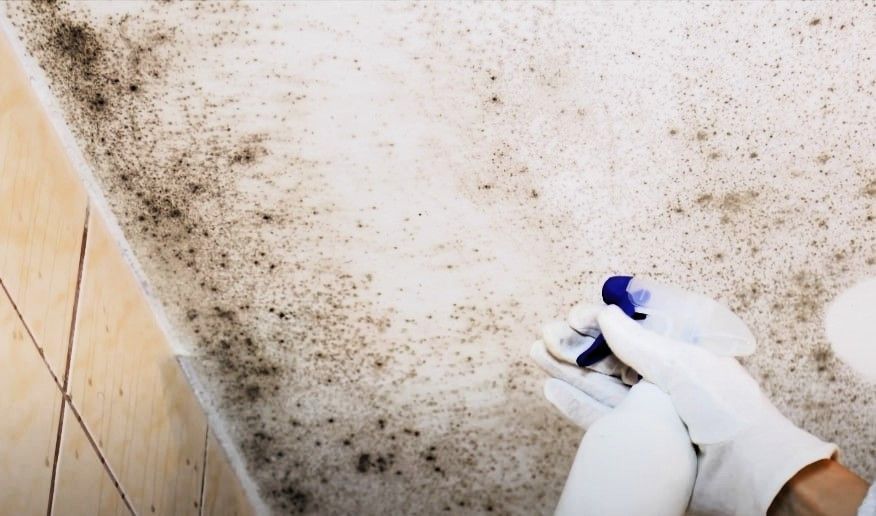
pixel 42 213
pixel 129 388
pixel 223 494
pixel 124 381
pixel 29 427
pixel 83 485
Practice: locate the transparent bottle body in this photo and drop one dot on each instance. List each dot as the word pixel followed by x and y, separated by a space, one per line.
pixel 690 317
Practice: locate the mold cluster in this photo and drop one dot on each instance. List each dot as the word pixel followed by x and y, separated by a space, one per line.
pixel 358 217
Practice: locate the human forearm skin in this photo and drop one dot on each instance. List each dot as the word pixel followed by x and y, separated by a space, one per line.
pixel 824 488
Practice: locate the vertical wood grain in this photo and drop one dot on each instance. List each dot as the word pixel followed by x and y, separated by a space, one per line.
pixel 223 494
pixel 124 383
pixel 83 485
pixel 130 390
pixel 29 427
pixel 42 211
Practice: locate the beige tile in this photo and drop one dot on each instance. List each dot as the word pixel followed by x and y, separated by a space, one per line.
pixel 29 427
pixel 129 389
pixel 83 486
pixel 223 495
pixel 42 213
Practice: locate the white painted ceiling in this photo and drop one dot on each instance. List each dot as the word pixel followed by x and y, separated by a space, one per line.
pixel 357 215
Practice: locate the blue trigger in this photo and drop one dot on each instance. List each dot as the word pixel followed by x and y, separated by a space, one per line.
pixel 614 292
pixel 596 352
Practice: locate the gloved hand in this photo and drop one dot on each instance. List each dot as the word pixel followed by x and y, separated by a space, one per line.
pixel 599 385
pixel 747 449
pixel 568 340
pixel 636 459
pixel 616 457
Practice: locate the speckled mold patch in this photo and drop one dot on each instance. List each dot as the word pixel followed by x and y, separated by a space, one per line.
pixel 358 215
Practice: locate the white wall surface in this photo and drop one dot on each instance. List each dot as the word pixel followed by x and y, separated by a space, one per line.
pixel 358 215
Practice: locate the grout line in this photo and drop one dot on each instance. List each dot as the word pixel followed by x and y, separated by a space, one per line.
pixel 76 296
pixel 179 342
pixel 66 385
pixel 68 402
pixel 42 356
pixel 39 350
pixel 107 467
pixel 219 428
pixel 51 505
pixel 204 469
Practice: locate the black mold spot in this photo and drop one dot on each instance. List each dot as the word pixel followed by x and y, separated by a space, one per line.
pixel 247 153
pixel 822 358
pixel 807 295
pixel 292 498
pixel 870 189
pixel 171 186
pixel 379 463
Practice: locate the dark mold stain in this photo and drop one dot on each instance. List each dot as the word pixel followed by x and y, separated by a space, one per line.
pixel 807 295
pixel 379 463
pixel 259 323
pixel 291 338
pixel 164 186
pixel 870 189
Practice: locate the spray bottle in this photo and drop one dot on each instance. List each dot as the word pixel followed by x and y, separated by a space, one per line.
pixel 674 313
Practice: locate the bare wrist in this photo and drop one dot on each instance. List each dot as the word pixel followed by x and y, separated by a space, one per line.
pixel 823 488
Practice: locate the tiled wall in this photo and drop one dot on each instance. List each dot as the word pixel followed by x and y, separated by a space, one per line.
pixel 98 418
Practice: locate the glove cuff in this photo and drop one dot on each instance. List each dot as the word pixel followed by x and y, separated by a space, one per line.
pixel 747 473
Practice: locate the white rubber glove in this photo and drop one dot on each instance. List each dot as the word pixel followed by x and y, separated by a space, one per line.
pixel 616 458
pixel 747 449
pixel 581 395
pixel 565 340
pixel 637 459
pixel 599 391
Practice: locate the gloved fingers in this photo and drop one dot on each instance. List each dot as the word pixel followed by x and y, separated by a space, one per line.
pixel 628 375
pixel 583 319
pixel 563 342
pixel 576 406
pixel 648 397
pixel 609 365
pixel 603 388
pixel 566 341
pixel 646 352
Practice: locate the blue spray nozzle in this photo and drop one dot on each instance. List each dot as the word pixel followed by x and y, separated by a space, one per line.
pixel 674 313
pixel 615 291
